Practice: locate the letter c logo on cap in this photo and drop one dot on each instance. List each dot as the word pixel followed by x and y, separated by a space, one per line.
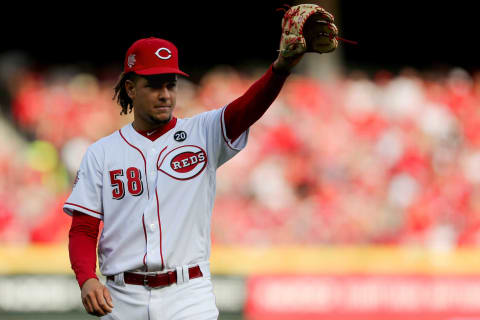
pixel 158 53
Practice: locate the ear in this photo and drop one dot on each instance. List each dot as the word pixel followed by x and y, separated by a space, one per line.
pixel 130 88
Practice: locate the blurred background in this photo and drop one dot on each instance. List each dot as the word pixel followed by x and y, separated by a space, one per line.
pixel 358 193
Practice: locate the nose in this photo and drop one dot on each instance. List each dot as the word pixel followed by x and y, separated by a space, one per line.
pixel 163 93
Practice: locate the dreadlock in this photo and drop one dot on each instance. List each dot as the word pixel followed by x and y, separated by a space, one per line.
pixel 121 93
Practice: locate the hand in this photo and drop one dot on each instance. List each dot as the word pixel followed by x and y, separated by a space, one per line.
pixel 96 298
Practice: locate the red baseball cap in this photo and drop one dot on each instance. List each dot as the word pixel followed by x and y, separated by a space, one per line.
pixel 152 56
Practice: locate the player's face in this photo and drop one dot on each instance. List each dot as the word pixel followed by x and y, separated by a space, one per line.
pixel 154 98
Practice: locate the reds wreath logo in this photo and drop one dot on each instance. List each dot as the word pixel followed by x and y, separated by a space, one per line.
pixel 184 162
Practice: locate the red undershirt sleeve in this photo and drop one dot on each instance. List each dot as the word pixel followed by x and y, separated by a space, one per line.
pixel 82 246
pixel 247 109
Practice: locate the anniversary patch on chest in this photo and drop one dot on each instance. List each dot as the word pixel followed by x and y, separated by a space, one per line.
pixel 184 162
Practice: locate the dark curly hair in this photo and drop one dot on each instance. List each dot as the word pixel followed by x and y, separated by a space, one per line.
pixel 121 93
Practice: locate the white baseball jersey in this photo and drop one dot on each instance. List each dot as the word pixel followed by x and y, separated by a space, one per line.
pixel 154 197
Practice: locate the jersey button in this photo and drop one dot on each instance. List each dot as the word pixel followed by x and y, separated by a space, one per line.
pixel 152 227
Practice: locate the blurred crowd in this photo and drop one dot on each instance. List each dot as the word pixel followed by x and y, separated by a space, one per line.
pixel 354 160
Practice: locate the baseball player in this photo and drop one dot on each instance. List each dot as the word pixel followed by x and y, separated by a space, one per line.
pixel 152 183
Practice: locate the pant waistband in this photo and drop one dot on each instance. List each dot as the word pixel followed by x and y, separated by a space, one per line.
pixel 160 279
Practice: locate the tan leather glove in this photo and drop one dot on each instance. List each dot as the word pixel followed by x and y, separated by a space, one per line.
pixel 307 28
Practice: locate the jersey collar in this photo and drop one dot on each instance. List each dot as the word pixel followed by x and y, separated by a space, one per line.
pixel 157 133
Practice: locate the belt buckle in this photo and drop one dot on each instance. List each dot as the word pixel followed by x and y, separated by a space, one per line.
pixel 171 280
pixel 145 282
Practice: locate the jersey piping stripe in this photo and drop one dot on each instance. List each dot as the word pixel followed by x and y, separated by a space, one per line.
pixel 224 135
pixel 159 227
pixel 76 205
pixel 144 161
pixel 159 155
pixel 145 234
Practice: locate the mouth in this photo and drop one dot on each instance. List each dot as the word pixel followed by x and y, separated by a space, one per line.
pixel 162 108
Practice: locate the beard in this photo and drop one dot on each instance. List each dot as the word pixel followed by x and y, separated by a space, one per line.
pixel 156 121
pixel 151 120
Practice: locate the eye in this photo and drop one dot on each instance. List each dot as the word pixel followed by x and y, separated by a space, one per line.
pixel 171 85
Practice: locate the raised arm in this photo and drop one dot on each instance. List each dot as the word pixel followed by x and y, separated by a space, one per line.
pixel 305 28
pixel 247 109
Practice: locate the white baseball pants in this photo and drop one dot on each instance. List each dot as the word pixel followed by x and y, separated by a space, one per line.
pixel 189 300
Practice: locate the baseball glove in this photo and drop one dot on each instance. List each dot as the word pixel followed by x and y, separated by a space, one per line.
pixel 307 28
